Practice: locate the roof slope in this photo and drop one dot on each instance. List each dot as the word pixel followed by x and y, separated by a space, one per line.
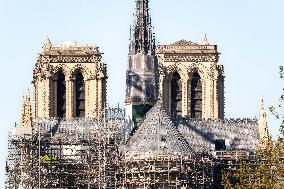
pixel 239 134
pixel 157 135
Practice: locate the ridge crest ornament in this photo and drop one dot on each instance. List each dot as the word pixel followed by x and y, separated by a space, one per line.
pixel 184 42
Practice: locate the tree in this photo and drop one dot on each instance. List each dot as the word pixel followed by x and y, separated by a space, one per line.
pixel 267 172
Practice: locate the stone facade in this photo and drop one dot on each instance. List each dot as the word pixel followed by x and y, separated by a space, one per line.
pixel 186 68
pixel 68 61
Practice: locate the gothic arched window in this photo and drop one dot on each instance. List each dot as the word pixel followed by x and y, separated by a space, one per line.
pixel 61 95
pixel 196 96
pixel 220 96
pixel 176 96
pixel 79 95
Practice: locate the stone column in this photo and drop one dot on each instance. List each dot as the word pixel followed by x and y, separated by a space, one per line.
pixel 67 101
pixel 161 88
pixel 70 102
pixel 46 99
pixel 189 98
pixel 50 97
pixel 212 99
pixel 205 103
pixel 95 96
pixel 184 97
pixel 215 99
pixel 39 99
pixel 36 98
pixel 87 99
pixel 100 94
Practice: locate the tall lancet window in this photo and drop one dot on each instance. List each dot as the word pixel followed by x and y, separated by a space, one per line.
pixel 176 96
pixel 220 96
pixel 79 95
pixel 61 95
pixel 196 96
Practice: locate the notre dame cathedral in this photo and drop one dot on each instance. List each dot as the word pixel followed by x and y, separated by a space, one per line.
pixel 171 134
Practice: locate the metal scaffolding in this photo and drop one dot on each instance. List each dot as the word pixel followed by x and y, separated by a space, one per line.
pixel 165 172
pixel 77 153
pixel 106 153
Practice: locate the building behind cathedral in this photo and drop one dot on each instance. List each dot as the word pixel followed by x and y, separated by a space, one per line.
pixel 171 134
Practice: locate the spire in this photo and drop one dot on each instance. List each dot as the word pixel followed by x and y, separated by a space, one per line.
pixel 205 40
pixel 263 128
pixel 26 114
pixel 141 75
pixel 47 44
pixel 142 40
pixel 261 104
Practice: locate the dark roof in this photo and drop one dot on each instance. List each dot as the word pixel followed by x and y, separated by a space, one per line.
pixel 156 136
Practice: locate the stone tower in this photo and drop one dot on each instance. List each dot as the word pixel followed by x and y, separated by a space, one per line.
pixel 69 81
pixel 191 81
pixel 141 75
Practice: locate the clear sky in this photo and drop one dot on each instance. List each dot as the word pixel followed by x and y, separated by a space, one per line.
pixel 249 34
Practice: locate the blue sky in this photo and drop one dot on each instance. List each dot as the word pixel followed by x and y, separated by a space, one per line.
pixel 249 34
